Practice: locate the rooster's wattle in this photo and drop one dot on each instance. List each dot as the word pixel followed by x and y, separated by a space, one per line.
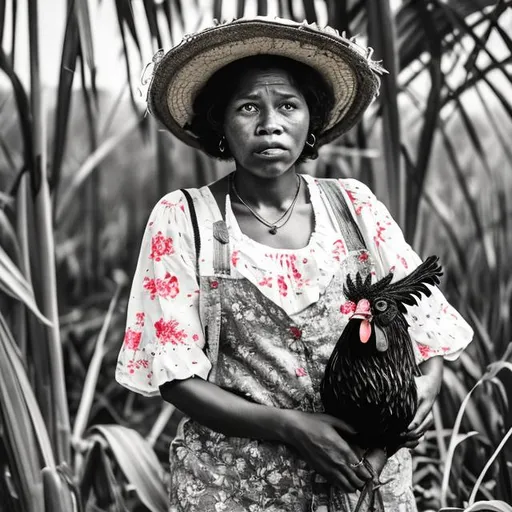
pixel 369 378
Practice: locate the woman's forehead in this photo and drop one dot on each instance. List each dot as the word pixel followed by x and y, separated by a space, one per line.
pixel 261 79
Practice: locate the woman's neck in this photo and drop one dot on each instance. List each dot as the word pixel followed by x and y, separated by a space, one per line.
pixel 266 192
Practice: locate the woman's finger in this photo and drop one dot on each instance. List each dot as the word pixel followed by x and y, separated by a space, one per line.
pixel 422 428
pixel 341 481
pixel 342 427
pixel 350 474
pixel 413 442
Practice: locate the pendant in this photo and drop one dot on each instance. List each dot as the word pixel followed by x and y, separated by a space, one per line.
pixel 273 230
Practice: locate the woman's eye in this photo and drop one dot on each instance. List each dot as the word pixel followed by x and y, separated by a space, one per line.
pixel 288 106
pixel 381 305
pixel 248 107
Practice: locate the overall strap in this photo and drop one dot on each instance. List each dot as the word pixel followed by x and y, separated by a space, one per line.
pixel 221 249
pixel 348 227
pixel 210 310
pixel 195 226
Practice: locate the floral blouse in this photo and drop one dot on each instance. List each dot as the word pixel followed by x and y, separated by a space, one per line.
pixel 164 338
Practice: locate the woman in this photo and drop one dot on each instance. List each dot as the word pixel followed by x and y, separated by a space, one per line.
pixel 237 300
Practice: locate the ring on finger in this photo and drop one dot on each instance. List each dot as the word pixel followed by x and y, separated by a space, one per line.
pixel 357 464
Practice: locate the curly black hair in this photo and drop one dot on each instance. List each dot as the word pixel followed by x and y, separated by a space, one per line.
pixel 211 102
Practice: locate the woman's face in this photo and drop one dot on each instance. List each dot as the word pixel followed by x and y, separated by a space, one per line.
pixel 266 123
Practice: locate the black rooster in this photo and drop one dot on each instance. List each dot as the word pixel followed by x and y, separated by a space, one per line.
pixel 369 378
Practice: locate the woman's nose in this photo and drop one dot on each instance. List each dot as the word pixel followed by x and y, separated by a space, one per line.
pixel 269 124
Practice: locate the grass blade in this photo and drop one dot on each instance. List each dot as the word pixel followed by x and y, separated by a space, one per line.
pixel 46 246
pixel 70 49
pixel 382 36
pixel 57 498
pixel 86 44
pixel 160 423
pixel 23 454
pixel 23 108
pixel 489 506
pixel 430 117
pixel 99 477
pixel 128 446
pixel 14 284
pixel 309 10
pixel 93 371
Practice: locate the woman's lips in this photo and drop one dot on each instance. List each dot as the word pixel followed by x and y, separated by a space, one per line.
pixel 271 152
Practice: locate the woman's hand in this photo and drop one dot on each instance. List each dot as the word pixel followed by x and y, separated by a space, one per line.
pixel 428 389
pixel 428 385
pixel 317 438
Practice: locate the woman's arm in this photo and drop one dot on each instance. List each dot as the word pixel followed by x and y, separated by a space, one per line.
pixel 316 436
pixel 429 385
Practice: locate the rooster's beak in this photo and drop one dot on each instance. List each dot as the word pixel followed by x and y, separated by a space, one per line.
pixel 363 312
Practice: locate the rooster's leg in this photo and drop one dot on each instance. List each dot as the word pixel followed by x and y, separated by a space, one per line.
pixel 370 499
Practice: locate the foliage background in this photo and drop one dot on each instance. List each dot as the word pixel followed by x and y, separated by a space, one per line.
pixel 81 167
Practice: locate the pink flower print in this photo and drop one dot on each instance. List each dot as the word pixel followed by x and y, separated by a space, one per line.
pixel 425 350
pixel 354 200
pixel 378 238
pixel 392 269
pixel 363 256
pixel 160 246
pixel 168 332
pixel 295 332
pixel 300 372
pixel 283 287
pixel 140 318
pixel 133 365
pixel 351 195
pixel 169 204
pixel 150 285
pixel 348 307
pixel 132 339
pixel 166 287
pixel 235 257
pixel 214 284
pixel 339 249
pixel 266 281
pixel 195 337
pixel 402 261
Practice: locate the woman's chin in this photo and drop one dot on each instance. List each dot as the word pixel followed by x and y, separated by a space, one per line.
pixel 269 168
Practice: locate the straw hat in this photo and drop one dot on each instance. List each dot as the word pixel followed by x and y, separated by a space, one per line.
pixel 180 74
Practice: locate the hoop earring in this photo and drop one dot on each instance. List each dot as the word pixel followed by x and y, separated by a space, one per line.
pixel 222 147
pixel 311 144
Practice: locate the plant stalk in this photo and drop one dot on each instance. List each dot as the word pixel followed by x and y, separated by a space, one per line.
pixel 43 220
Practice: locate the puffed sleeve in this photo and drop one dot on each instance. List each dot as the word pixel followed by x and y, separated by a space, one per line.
pixel 164 339
pixel 436 328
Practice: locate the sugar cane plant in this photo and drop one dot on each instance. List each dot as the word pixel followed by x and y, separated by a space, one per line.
pixel 434 147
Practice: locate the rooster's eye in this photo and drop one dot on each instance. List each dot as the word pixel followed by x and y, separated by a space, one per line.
pixel 381 305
